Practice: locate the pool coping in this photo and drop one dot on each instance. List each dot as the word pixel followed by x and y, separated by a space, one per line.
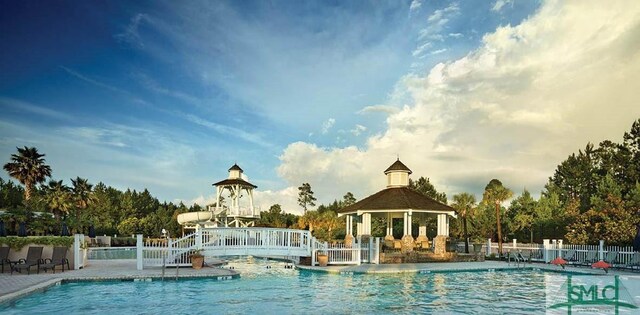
pixel 427 268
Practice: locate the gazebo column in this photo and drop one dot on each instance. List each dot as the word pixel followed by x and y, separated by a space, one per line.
pixel 348 238
pixel 440 241
pixel 389 235
pixel 422 229
pixel 366 224
pixel 407 239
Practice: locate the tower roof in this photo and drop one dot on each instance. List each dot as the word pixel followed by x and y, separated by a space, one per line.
pixel 235 167
pixel 397 166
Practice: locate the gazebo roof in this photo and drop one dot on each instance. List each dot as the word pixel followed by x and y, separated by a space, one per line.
pixel 397 166
pixel 235 181
pixel 397 198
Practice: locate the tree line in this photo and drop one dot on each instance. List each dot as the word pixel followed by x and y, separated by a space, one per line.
pixel 594 194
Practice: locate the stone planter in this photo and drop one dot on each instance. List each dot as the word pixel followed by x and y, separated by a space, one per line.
pixel 197 262
pixel 323 260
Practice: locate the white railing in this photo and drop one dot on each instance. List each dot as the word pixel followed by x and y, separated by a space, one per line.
pixel 239 211
pixel 551 249
pixel 355 254
pixel 224 242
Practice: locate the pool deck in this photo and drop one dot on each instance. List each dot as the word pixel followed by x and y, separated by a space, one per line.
pixel 17 285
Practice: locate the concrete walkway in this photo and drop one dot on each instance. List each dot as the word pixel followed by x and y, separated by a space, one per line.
pixel 17 285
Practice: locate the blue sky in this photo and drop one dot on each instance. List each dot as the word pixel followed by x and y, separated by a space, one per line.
pixel 168 95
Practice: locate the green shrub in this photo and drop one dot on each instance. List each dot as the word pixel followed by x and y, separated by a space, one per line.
pixel 17 243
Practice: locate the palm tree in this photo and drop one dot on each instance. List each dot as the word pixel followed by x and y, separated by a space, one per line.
pixel 495 193
pixel 465 204
pixel 29 168
pixel 82 196
pixel 58 198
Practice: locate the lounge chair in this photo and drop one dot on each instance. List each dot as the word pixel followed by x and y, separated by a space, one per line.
pixel 59 257
pixel 634 262
pixel 34 258
pixel 592 256
pixel 610 258
pixel 4 257
pixel 569 256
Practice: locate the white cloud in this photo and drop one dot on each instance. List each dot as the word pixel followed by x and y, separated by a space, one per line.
pixel 512 109
pixel 378 109
pixel 497 6
pixel 327 125
pixel 415 5
pixel 439 51
pixel 358 130
pixel 22 106
pixel 455 35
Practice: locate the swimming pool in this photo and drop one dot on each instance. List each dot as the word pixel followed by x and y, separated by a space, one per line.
pixel 267 287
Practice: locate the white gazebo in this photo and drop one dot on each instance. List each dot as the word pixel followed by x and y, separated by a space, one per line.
pixel 399 201
pixel 237 213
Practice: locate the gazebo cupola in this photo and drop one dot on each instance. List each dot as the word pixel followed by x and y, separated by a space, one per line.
pixel 397 174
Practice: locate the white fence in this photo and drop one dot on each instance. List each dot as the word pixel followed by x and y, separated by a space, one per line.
pixel 551 249
pixel 340 254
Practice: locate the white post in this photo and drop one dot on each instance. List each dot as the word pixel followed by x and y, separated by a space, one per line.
pixel 545 251
pixel 488 246
pixel 377 256
pixel 601 250
pixel 198 237
pixel 139 255
pixel 371 253
pixel 515 244
pixel 559 248
pixel 313 251
pixel 77 256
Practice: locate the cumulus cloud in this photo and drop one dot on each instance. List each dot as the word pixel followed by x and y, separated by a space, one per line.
pixel 512 109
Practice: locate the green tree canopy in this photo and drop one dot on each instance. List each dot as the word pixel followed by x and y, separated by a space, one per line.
pixel 29 168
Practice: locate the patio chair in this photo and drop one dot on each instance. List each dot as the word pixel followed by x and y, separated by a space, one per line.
pixel 634 262
pixel 592 256
pixel 4 257
pixel 569 256
pixel 34 258
pixel 610 258
pixel 59 257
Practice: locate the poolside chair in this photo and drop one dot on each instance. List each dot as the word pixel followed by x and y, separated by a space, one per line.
pixel 569 256
pixel 592 256
pixel 4 257
pixel 610 258
pixel 59 257
pixel 634 262
pixel 34 258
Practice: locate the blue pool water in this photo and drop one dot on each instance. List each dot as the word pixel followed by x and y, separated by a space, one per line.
pixel 277 290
